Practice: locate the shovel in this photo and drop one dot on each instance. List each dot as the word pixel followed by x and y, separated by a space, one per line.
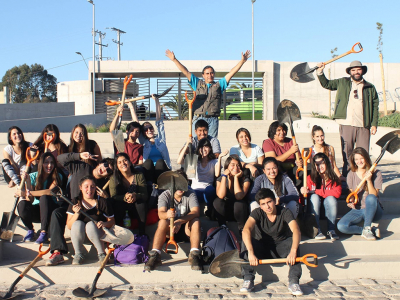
pixel 118 135
pixel 303 74
pixel 47 141
pixel 288 112
pixel 10 219
pixel 9 294
pixel 114 235
pixel 93 292
pixel 172 181
pixel 229 264
pixel 191 158
pixel 113 102
pixel 389 142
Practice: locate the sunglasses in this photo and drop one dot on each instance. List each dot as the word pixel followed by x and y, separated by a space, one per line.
pixel 108 169
pixel 355 94
pixel 148 128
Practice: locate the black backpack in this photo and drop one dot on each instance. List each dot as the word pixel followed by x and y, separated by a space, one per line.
pixel 217 241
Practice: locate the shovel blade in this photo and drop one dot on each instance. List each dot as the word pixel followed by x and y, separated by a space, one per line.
pixel 9 295
pixel 118 235
pixel 190 163
pixel 8 225
pixel 288 110
pixel 118 138
pixel 227 265
pixel 394 145
pixel 299 73
pixel 164 181
pixel 85 294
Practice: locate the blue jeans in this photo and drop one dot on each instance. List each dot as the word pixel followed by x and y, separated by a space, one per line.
pixel 207 195
pixel 371 213
pixel 212 125
pixel 330 204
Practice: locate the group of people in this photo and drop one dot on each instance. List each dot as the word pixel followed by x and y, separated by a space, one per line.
pixel 256 186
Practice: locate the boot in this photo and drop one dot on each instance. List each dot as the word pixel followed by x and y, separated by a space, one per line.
pixel 154 261
pixel 195 260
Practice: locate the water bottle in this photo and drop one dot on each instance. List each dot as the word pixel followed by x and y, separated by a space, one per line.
pixel 127 220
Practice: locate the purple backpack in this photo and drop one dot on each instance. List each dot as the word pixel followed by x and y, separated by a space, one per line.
pixel 132 254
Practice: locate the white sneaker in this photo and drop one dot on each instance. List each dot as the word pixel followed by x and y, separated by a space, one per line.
pixel 367 234
pixel 295 289
pixel 247 287
pixel 320 236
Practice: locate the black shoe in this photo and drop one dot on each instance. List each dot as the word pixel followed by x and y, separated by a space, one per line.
pixel 154 261
pixel 195 260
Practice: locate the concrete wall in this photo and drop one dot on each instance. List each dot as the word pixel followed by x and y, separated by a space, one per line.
pixel 35 110
pixel 64 123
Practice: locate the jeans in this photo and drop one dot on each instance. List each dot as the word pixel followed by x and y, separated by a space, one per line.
pixel 371 213
pixel 212 125
pixel 208 195
pixel 330 204
pixel 79 230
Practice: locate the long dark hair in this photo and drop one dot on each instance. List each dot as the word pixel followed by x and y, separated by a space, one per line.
pixel 324 145
pixel 24 144
pixel 73 146
pixel 54 176
pixel 279 176
pixel 229 160
pixel 274 126
pixel 330 173
pixel 80 197
pixel 240 130
pixel 58 142
pixel 204 142
pixel 367 159
pixel 118 177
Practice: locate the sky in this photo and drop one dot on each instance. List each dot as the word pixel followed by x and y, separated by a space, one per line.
pixel 50 32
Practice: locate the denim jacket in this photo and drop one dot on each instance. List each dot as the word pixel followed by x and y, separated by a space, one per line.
pixel 160 142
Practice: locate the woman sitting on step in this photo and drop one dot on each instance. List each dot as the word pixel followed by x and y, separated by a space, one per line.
pixel 79 142
pixel 368 208
pixel 283 187
pixel 250 155
pixel 232 188
pixel 96 207
pixel 38 204
pixel 323 186
pixel 128 191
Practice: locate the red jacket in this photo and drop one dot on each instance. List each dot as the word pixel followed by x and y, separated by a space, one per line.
pixel 327 189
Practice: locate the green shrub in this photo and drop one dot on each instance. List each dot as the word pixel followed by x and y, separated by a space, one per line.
pixel 317 115
pixel 90 128
pixel 104 128
pixel 392 120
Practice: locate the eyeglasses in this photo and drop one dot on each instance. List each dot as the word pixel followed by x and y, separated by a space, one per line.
pixel 108 169
pixel 355 94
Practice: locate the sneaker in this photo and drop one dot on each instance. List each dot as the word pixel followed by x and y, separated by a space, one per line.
pixel 78 259
pixel 55 259
pixel 295 289
pixel 376 231
pixel 195 260
pixel 248 286
pixel 332 234
pixel 154 261
pixel 30 235
pixel 101 258
pixel 367 234
pixel 42 238
pixel 320 236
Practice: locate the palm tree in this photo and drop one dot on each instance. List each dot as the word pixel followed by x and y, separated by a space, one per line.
pixel 174 105
pixel 242 85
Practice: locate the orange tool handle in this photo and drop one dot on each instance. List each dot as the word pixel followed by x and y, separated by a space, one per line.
pixel 114 102
pixel 171 235
pixel 29 158
pixel 190 103
pixel 359 187
pixel 302 259
pixel 39 256
pixel 41 253
pixel 46 141
pixel 347 53
pixel 126 82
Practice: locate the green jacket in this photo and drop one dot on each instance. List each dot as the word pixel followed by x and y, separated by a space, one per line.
pixel 118 191
pixel 343 87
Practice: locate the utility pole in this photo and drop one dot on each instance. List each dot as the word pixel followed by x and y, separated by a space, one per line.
pixel 119 31
pixel 101 36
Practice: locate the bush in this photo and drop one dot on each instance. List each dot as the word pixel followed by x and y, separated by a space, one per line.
pixel 104 128
pixel 392 120
pixel 317 115
pixel 90 128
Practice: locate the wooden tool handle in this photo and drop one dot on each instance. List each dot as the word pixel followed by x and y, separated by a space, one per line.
pixel 297 153
pixel 103 264
pixel 347 53
pixel 359 186
pixel 171 226
pixel 106 185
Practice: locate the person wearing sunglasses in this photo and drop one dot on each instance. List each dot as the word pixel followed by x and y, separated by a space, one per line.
pixel 356 108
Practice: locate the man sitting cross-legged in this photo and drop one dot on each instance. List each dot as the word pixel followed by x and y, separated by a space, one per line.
pixel 272 239
pixel 186 226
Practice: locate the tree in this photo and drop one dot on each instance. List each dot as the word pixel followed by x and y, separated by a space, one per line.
pixel 174 105
pixel 380 42
pixel 30 84
pixel 333 52
pixel 242 85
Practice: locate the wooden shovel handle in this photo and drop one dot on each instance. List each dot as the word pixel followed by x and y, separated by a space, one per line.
pixel 38 257
pixel 171 235
pixel 295 143
pixel 359 186
pixel 190 103
pixel 113 102
pixel 126 82
pixel 302 259
pixel 347 53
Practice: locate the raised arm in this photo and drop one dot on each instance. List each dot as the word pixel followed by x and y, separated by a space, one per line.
pixel 218 164
pixel 183 151
pixel 236 68
pixel 181 67
pixel 158 108
pixel 114 121
pixel 133 112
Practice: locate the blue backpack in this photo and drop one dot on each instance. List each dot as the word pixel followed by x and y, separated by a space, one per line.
pixel 217 241
pixel 132 254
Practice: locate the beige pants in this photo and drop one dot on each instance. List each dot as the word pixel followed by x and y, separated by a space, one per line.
pixel 350 136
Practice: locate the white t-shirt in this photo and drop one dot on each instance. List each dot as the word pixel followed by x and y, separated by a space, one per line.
pixel 256 152
pixel 15 157
pixel 204 176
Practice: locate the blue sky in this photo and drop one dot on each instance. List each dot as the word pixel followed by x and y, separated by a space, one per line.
pixel 50 32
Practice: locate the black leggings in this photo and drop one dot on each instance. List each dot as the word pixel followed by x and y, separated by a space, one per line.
pixel 230 209
pixel 37 213
pixel 57 229
pixel 153 172
pixel 135 210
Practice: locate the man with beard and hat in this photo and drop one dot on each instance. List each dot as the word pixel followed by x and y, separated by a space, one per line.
pixel 356 108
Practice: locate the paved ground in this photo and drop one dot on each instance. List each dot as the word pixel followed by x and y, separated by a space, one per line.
pixel 339 289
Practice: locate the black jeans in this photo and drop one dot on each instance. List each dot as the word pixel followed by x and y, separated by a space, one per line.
pixel 135 210
pixel 271 250
pixel 154 171
pixel 37 213
pixel 57 229
pixel 230 209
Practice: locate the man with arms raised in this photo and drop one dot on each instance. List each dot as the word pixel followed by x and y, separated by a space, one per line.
pixel 277 235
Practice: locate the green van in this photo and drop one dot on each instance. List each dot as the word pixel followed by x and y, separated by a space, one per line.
pixel 239 104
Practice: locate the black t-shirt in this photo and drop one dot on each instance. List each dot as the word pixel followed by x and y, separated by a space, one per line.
pixel 267 231
pixel 104 211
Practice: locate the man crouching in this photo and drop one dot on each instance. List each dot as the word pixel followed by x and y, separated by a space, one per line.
pixel 186 226
pixel 272 239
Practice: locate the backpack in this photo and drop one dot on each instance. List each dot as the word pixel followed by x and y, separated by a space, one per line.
pixel 217 241
pixel 134 253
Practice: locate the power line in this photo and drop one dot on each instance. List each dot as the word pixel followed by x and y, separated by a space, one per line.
pixel 101 35
pixel 119 31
